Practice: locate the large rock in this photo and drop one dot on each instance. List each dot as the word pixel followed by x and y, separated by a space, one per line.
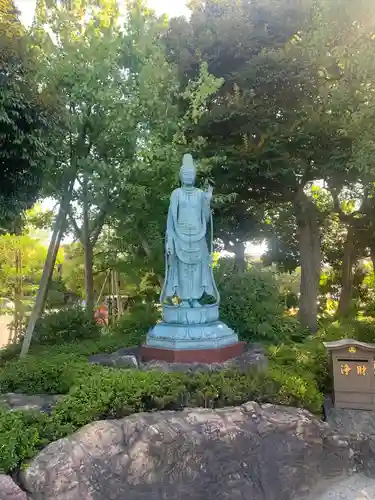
pixel 42 402
pixel 9 490
pixel 356 487
pixel 248 452
pixel 123 358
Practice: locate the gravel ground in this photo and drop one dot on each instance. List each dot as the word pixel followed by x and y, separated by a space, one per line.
pixel 355 487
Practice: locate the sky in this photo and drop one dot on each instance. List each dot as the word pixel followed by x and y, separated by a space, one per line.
pixel 173 8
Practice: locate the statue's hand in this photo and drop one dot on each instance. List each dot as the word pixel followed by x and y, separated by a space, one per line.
pixel 169 247
pixel 209 193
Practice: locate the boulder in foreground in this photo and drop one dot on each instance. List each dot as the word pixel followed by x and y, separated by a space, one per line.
pixel 260 452
pixel 9 490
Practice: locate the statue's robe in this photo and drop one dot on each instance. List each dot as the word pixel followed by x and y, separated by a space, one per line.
pixel 189 271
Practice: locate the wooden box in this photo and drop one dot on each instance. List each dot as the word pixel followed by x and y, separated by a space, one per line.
pixel 353 366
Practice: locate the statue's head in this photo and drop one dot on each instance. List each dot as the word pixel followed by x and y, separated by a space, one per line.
pixel 188 171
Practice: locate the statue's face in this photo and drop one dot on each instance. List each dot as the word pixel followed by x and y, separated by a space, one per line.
pixel 188 177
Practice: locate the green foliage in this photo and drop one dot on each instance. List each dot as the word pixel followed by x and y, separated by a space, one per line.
pixel 134 324
pixel 10 351
pixel 128 332
pixel 21 264
pixel 93 392
pixel 103 393
pixel 65 325
pixel 23 122
pixel 21 435
pixel 53 374
pixel 113 393
pixel 308 360
pixel 251 303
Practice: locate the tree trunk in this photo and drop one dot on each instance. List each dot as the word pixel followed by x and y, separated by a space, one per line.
pixel 347 275
pixel 17 296
pixel 310 260
pixel 49 264
pixel 89 279
pixel 239 255
pixel 119 301
pixel 88 251
pixel 148 252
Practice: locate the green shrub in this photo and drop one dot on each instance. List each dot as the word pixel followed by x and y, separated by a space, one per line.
pixel 364 329
pixel 20 437
pixel 54 369
pixel 9 352
pixel 252 305
pixel 295 389
pixel 102 393
pixel 308 360
pixel 35 375
pixel 113 393
pixel 65 326
pixel 134 325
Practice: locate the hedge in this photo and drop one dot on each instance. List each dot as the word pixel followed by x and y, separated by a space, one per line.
pixel 99 393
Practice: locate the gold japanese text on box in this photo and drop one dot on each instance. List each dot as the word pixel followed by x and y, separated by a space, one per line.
pixel 359 369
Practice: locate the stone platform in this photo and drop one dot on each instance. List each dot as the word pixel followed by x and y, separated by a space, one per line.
pixel 191 335
pixel 213 335
pixel 209 356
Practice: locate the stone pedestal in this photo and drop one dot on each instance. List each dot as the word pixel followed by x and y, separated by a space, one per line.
pixel 209 356
pixel 188 335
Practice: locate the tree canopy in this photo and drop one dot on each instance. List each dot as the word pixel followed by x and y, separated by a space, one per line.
pixel 275 99
pixel 24 119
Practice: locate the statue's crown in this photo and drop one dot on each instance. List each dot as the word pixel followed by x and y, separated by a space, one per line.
pixel 187 162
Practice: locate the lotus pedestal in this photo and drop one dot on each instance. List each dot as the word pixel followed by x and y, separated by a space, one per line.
pixel 191 335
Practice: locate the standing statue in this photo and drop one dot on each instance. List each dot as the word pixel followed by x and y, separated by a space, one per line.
pixel 189 242
pixel 190 331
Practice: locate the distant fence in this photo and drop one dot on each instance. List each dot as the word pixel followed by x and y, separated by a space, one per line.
pixel 5 320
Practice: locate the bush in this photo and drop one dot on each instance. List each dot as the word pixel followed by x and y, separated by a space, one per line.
pixel 65 326
pixel 50 375
pixel 135 324
pixel 308 360
pixel 311 359
pixel 54 369
pixel 364 329
pixel 108 393
pixel 113 393
pixel 251 304
pixel 9 352
pixel 22 434
pixel 122 335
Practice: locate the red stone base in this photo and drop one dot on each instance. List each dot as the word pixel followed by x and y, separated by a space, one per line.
pixel 192 356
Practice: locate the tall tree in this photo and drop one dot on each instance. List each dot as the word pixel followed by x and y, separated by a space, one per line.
pixel 23 121
pixel 118 92
pixel 280 119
